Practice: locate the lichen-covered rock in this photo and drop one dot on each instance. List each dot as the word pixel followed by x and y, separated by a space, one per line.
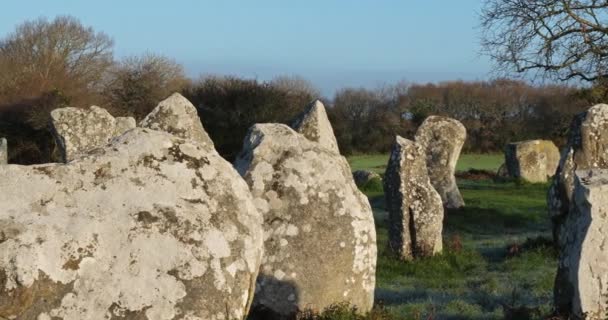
pixel 179 117
pixel 414 206
pixel 362 177
pixel 587 148
pixel 3 151
pixel 582 277
pixel 532 160
pixel 80 130
pixel 150 227
pixel 442 139
pixel 124 124
pixel 315 126
pixel 320 241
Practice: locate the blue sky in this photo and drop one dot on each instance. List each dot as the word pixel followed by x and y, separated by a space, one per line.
pixel 332 43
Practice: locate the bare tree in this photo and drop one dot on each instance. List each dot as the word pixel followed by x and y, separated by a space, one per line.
pixel 40 56
pixel 560 39
pixel 138 83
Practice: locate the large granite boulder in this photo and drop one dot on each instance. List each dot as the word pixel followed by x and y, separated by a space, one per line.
pixel 80 130
pixel 314 124
pixel 3 151
pixel 532 160
pixel 151 226
pixel 363 177
pixel 580 286
pixel 442 139
pixel 414 206
pixel 179 117
pixel 320 240
pixel 587 148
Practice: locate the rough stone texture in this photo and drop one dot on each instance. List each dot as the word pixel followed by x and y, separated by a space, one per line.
pixel 124 124
pixel 581 286
pixel 442 138
pixel 3 151
pixel 320 240
pixel 587 148
pixel 315 126
pixel 532 160
pixel 80 130
pixel 364 176
pixel 179 117
pixel 150 227
pixel 414 206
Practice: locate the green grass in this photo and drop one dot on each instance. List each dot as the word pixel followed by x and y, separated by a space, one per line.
pixel 377 162
pixel 475 275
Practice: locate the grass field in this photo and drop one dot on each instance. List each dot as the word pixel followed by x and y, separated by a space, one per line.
pixel 377 162
pixel 476 276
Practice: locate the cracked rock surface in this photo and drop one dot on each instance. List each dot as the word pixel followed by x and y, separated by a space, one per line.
pixel 151 226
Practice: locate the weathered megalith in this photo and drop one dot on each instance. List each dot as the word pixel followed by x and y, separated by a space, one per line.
pixel 124 124
pixel 80 130
pixel 442 139
pixel 532 160
pixel 414 206
pixel 320 240
pixel 587 148
pixel 362 177
pixel 581 286
pixel 151 226
pixel 3 151
pixel 179 117
pixel 314 124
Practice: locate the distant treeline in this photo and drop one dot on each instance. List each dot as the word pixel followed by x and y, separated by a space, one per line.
pixel 51 64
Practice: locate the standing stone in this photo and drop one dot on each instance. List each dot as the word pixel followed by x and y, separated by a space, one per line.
pixel 414 206
pixel 80 130
pixel 587 148
pixel 151 226
pixel 362 177
pixel 179 117
pixel 124 124
pixel 442 139
pixel 532 160
pixel 3 151
pixel 581 286
pixel 320 240
pixel 314 124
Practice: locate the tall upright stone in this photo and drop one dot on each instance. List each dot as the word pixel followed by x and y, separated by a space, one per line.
pixel 414 206
pixel 151 226
pixel 442 139
pixel 179 117
pixel 80 130
pixel 314 124
pixel 581 284
pixel 532 160
pixel 587 148
pixel 320 240
pixel 3 151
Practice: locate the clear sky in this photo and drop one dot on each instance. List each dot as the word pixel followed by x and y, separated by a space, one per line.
pixel 332 43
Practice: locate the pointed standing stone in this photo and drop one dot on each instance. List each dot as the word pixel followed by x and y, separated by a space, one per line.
pixel 414 206
pixel 179 117
pixel 320 239
pixel 315 126
pixel 442 139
